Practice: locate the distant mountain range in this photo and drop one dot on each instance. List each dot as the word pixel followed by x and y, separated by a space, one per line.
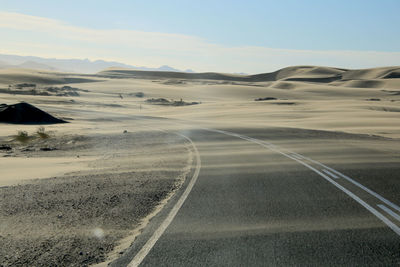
pixel 70 65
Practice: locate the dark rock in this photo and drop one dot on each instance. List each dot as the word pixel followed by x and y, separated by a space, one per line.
pixel 265 98
pixel 24 113
pixel 47 148
pixel 5 147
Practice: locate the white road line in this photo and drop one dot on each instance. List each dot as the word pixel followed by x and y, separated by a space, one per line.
pixel 161 229
pixel 366 189
pixel 296 156
pixel 330 174
pixel 379 215
pixel 381 198
pixel 389 211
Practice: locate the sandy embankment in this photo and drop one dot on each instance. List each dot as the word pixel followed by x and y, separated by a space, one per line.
pixel 78 218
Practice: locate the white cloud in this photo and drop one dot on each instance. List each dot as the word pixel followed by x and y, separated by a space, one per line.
pixel 30 35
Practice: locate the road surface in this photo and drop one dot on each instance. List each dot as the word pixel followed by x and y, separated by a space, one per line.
pixel 250 202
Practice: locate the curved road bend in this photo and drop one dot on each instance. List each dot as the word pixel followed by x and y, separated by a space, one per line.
pixel 255 206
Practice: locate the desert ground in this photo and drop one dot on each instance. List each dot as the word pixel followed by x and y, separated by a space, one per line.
pixel 83 192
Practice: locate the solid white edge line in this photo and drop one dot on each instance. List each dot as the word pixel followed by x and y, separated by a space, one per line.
pixel 381 198
pixel 392 226
pixel 389 211
pixel 330 174
pixel 296 156
pixel 139 257
pixel 394 206
pixel 380 216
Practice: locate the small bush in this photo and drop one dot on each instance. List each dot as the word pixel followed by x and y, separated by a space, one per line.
pixel 41 132
pixel 22 136
pixel 139 94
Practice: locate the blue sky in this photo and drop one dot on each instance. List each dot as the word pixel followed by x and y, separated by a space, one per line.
pixel 307 25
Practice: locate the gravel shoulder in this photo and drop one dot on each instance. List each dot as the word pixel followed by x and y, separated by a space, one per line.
pixel 79 218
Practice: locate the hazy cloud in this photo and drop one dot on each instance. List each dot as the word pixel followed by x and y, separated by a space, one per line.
pixel 31 35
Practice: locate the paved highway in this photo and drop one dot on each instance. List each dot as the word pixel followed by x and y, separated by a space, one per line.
pixel 250 202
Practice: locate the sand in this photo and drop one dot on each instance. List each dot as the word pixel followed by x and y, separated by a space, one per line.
pixel 76 210
pixel 145 165
pixel 38 168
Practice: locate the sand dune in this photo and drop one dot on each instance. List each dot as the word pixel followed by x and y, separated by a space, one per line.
pixel 363 105
pixel 129 73
pixel 300 72
pixel 369 74
pixel 393 74
pixel 297 73
pixel 364 84
pixel 283 85
pixel 12 76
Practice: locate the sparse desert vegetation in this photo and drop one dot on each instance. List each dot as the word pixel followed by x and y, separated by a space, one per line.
pixel 166 102
pixel 34 89
pixel 22 136
pixel 41 132
pixel 139 94
pixel 265 98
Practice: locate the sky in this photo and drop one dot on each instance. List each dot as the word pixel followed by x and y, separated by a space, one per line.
pixel 225 36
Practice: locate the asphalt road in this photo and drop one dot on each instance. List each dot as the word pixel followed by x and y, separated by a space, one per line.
pixel 256 204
